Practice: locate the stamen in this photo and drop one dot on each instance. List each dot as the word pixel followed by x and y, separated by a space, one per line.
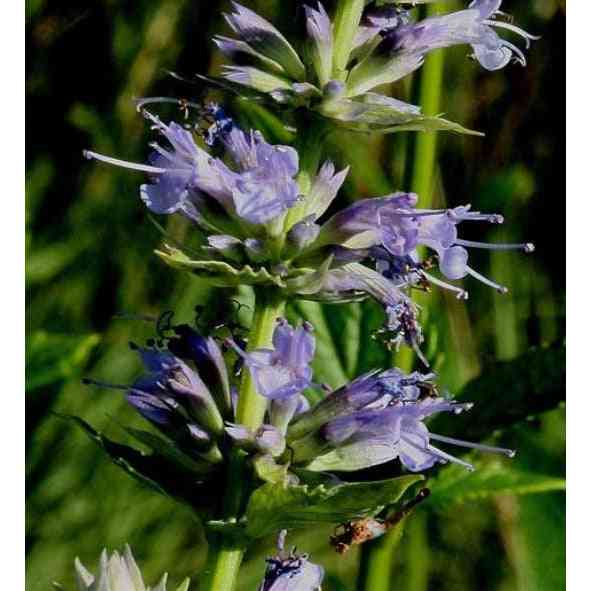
pixel 525 247
pixel 519 55
pixel 476 216
pixel 461 294
pixel 162 151
pixel 504 14
pixel 510 453
pixel 419 353
pixel 123 163
pixel 404 213
pixel 500 288
pixel 459 407
pixel 140 102
pixel 513 28
pixel 445 456
pixel 157 124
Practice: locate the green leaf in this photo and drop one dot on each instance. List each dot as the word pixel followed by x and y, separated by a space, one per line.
pixel 539 553
pixel 272 507
pixel 425 123
pixel 373 112
pixel 218 273
pixel 51 358
pixel 156 470
pixel 455 484
pixel 168 450
pixel 128 458
pixel 47 262
pixel 507 393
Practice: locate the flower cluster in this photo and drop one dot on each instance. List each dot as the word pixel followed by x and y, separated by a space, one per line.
pixel 388 46
pixel 262 230
pixel 263 218
pixel 376 418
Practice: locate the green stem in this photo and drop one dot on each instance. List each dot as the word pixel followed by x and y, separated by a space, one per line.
pixel 375 572
pixel 269 306
pixel 226 552
pixel 416 544
pixel 346 22
pixel 224 561
pixel 422 147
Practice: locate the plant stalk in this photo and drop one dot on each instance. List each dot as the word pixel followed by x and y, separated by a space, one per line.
pixel 226 552
pixel 375 572
pixel 269 305
pixel 346 21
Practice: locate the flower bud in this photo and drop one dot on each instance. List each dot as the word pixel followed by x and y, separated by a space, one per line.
pixel 118 572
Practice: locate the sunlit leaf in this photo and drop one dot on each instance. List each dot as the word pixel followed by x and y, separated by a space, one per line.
pixel 272 507
pixel 455 484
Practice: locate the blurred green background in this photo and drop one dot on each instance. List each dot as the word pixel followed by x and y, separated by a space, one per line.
pixel 88 247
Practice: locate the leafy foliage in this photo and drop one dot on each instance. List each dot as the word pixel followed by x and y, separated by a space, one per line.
pixel 56 357
pixel 274 507
pixel 509 392
pixel 494 477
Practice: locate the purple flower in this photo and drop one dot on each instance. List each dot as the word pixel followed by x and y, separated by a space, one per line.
pixel 377 19
pixel 171 384
pixel 474 26
pixel 258 189
pixel 207 356
pixel 264 39
pixel 373 390
pixel 377 418
pixel 377 435
pixel 391 47
pixel 291 572
pixel 368 220
pixel 389 229
pixel 267 439
pixel 266 188
pixel 283 371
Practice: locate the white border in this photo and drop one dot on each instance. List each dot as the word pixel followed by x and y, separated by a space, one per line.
pixel 12 446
